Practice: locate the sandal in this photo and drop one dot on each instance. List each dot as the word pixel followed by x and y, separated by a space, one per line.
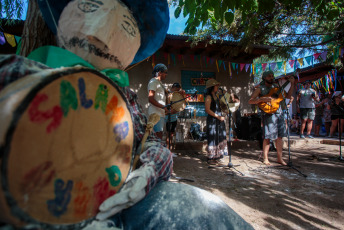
pixel 212 162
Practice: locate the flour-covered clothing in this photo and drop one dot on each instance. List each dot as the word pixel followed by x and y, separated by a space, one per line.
pixel 216 133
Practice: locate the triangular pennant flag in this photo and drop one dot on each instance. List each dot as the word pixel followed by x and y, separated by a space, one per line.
pixel 279 65
pixel 291 63
pixel 217 66
pixel 300 60
pixel 253 69
pixel 316 56
pixel 264 66
pixel 242 66
pixel 247 66
pixel 341 52
pixel 10 39
pixel 2 38
pixel 273 66
pixel 230 69
pixel 173 59
pixel 192 57
pixel 224 65
pixel 17 38
pixel 165 55
pixel 220 62
pixel 323 55
pixel 233 65
pixel 153 60
pixel 285 67
pixel 237 68
pixel 308 59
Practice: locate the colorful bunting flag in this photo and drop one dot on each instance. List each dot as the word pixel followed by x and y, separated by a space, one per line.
pixel 2 38
pixel 247 66
pixel 242 66
pixel 264 66
pixel 10 39
pixel 300 61
pixel 316 56
pixel 308 59
pixel 323 55
pixel 273 66
pixel 291 63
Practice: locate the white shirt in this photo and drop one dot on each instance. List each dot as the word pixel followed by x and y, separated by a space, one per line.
pixel 156 85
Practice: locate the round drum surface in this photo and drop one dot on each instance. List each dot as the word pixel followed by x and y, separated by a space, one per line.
pixel 68 148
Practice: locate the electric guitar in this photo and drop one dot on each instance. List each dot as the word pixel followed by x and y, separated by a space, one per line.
pixel 277 95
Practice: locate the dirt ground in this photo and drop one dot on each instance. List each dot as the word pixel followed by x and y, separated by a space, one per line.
pixel 274 197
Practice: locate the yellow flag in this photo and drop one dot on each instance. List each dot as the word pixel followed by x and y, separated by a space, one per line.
pixel 217 66
pixel 253 69
pixel 285 67
pixel 10 39
pixel 230 69
pixel 300 60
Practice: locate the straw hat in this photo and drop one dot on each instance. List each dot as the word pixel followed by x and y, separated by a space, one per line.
pixel 211 82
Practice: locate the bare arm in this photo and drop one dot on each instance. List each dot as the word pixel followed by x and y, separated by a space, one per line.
pixel 152 100
pixel 255 97
pixel 209 111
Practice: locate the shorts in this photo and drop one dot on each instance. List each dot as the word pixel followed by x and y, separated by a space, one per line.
pixel 318 120
pixel 274 126
pixel 171 127
pixel 159 127
pixel 307 113
pixel 334 117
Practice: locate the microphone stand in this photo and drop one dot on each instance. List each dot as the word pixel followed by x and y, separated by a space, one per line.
pixel 230 164
pixel 290 163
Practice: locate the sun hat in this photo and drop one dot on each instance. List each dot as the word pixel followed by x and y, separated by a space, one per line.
pixel 152 17
pixel 211 82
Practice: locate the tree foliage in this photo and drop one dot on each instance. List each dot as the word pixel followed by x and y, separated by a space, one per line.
pixel 284 25
pixel 11 10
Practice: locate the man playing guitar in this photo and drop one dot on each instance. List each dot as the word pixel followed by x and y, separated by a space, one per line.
pixel 273 122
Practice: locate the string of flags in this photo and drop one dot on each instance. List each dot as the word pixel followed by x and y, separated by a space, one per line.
pixel 330 82
pixel 253 69
pixel 11 39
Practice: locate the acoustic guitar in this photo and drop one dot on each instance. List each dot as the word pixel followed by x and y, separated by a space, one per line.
pixel 277 95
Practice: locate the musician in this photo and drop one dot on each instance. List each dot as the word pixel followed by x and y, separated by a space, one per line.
pixel 140 28
pixel 172 118
pixel 337 113
pixel 216 130
pixel 306 107
pixel 273 124
pixel 157 97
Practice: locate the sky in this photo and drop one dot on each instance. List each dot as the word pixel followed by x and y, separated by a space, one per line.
pixel 177 25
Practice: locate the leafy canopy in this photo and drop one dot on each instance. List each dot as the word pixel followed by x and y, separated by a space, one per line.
pixel 285 25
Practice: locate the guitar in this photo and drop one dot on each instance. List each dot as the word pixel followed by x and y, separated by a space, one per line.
pixel 277 95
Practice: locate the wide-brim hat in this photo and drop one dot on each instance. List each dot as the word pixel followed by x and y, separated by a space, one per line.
pixel 211 82
pixel 152 17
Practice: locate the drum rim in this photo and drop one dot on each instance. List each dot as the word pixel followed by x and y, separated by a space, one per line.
pixel 16 210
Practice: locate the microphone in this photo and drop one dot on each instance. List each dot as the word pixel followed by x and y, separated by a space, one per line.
pixel 194 95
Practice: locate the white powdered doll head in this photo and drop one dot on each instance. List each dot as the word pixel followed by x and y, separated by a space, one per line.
pixel 102 32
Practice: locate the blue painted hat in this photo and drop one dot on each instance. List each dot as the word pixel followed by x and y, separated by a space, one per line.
pixel 152 17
